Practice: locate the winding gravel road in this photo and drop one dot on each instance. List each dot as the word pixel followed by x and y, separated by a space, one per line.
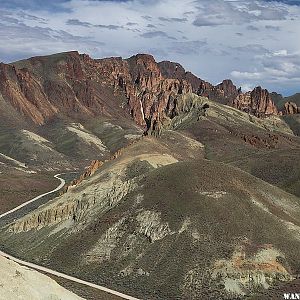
pixel 53 272
pixel 62 183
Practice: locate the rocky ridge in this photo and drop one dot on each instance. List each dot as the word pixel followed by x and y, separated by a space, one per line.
pixel 76 85
pixel 150 96
pixel 257 102
pixel 76 209
pixel 25 93
pixel 291 108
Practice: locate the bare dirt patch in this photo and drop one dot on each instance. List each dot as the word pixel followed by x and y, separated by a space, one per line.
pixel 17 188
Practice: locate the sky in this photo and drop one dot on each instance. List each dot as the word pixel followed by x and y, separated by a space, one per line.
pixel 251 42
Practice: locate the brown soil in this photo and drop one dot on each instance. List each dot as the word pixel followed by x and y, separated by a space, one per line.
pixel 20 187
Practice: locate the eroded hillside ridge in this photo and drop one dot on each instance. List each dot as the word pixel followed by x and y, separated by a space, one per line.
pixel 95 165
pixel 122 221
pixel 76 85
pixel 257 102
pixel 115 187
pixel 291 108
pixel 24 92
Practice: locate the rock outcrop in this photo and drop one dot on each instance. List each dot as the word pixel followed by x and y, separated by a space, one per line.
pixel 224 93
pixel 94 166
pixel 269 141
pixel 176 71
pixel 149 94
pixel 25 93
pixel 258 102
pixel 90 170
pixel 291 108
pixel 78 86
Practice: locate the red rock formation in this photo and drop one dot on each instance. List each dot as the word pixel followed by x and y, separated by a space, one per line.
pixel 148 92
pixel 258 102
pixel 91 169
pixel 25 93
pixel 269 142
pixel 227 90
pixel 291 108
pixel 176 71
pixel 173 70
pixel 81 87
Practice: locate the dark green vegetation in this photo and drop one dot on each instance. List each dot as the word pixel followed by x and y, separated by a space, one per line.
pixel 83 291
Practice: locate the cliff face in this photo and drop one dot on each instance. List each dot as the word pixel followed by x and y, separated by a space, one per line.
pixel 25 93
pixel 78 86
pixel 149 94
pixel 71 83
pixel 43 87
pixel 258 102
pixel 291 108
pixel 226 91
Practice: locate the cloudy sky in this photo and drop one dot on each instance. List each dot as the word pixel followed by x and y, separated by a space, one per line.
pixel 251 42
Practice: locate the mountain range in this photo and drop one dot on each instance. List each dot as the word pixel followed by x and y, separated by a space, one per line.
pixel 75 85
pixel 176 188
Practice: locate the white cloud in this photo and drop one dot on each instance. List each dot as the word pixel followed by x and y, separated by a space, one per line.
pixel 280 53
pixel 246 75
pixel 280 68
pixel 220 12
pixel 246 87
pixel 255 42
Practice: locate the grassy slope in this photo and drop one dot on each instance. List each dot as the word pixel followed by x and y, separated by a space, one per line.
pixel 17 187
pixel 177 193
pixel 223 131
pixel 294 122
pixel 180 193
